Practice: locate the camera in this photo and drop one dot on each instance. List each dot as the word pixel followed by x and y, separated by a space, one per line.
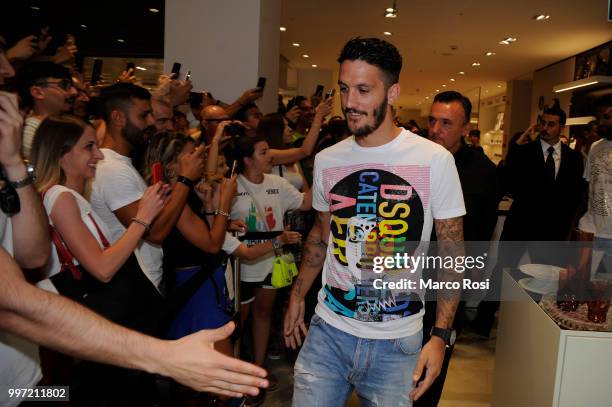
pixel 235 130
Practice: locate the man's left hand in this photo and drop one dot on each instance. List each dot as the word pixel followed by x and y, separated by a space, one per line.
pixel 430 358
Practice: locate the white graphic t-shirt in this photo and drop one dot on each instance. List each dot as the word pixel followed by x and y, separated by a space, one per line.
pixel 380 198
pixel 275 196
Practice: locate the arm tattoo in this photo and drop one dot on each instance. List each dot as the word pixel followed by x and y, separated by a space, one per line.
pixel 298 286
pixel 450 243
pixel 314 253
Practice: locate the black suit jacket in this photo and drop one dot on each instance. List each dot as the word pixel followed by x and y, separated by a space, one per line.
pixel 481 193
pixel 543 209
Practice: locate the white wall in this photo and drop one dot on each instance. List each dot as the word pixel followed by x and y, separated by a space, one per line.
pixel 269 51
pixel 219 42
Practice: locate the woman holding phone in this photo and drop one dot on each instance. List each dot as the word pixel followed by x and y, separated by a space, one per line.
pixel 64 154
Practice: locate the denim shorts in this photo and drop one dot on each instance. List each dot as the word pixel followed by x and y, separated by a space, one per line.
pixel 333 363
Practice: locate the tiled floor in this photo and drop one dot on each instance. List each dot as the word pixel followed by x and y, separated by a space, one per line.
pixel 469 381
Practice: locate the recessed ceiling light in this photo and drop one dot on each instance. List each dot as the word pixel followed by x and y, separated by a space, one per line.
pixel 35 8
pixel 306 56
pixel 499 86
pixel 475 63
pixel 83 26
pixel 314 65
pixel 452 79
pixel 490 53
pixel 437 90
pixel 154 10
pixel 390 10
pixel 141 68
pixel 283 28
pixel 507 41
pixel 295 44
pixel 387 33
pixel 443 86
pixel 461 73
pixel 426 97
pixel 120 40
pixel 541 17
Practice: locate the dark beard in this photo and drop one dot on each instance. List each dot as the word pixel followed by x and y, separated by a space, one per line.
pixel 379 116
pixel 133 135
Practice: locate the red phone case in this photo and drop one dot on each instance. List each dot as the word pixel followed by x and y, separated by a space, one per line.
pixel 157 170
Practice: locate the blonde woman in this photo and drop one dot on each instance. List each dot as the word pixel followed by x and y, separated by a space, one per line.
pixel 84 266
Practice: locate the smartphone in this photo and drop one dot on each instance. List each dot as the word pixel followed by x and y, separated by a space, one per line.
pixel 331 93
pixel 96 72
pixel 233 169
pixel 319 91
pixel 188 76
pixel 261 83
pixel 130 65
pixel 157 172
pixel 176 70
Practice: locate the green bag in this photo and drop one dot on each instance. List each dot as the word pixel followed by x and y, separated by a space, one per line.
pixel 284 270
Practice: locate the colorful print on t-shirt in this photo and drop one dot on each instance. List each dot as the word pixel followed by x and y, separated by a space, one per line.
pixel 375 211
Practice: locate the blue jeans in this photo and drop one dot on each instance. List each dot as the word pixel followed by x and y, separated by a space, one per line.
pixel 332 363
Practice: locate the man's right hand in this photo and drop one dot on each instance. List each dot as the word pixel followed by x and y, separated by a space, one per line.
pixel 528 136
pixel 194 362
pixel 191 165
pixel 294 325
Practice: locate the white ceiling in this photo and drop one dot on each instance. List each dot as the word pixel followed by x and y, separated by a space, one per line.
pixel 424 32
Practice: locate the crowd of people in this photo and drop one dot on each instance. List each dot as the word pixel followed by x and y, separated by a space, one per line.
pixel 119 229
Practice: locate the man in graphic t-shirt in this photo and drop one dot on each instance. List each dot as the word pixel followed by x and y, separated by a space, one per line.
pixel 383 187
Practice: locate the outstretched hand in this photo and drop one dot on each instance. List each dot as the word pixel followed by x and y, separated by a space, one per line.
pixel 195 363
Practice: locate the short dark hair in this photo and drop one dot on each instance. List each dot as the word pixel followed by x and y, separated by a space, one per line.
pixel 243 148
pixel 241 114
pixel 119 96
pixel 452 96
pixel 475 133
pixel 377 52
pixel 35 72
pixel 555 110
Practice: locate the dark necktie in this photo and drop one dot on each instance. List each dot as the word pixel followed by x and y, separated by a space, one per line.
pixel 550 163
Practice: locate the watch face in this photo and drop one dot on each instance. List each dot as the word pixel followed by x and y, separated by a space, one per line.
pixel 453 336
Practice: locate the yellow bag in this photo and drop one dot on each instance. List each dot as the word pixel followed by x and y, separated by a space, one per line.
pixel 284 270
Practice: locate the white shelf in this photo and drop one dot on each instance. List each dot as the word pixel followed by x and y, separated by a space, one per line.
pixel 582 83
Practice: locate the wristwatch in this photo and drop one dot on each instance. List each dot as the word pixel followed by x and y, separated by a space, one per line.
pixel 276 243
pixel 447 335
pixel 27 180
